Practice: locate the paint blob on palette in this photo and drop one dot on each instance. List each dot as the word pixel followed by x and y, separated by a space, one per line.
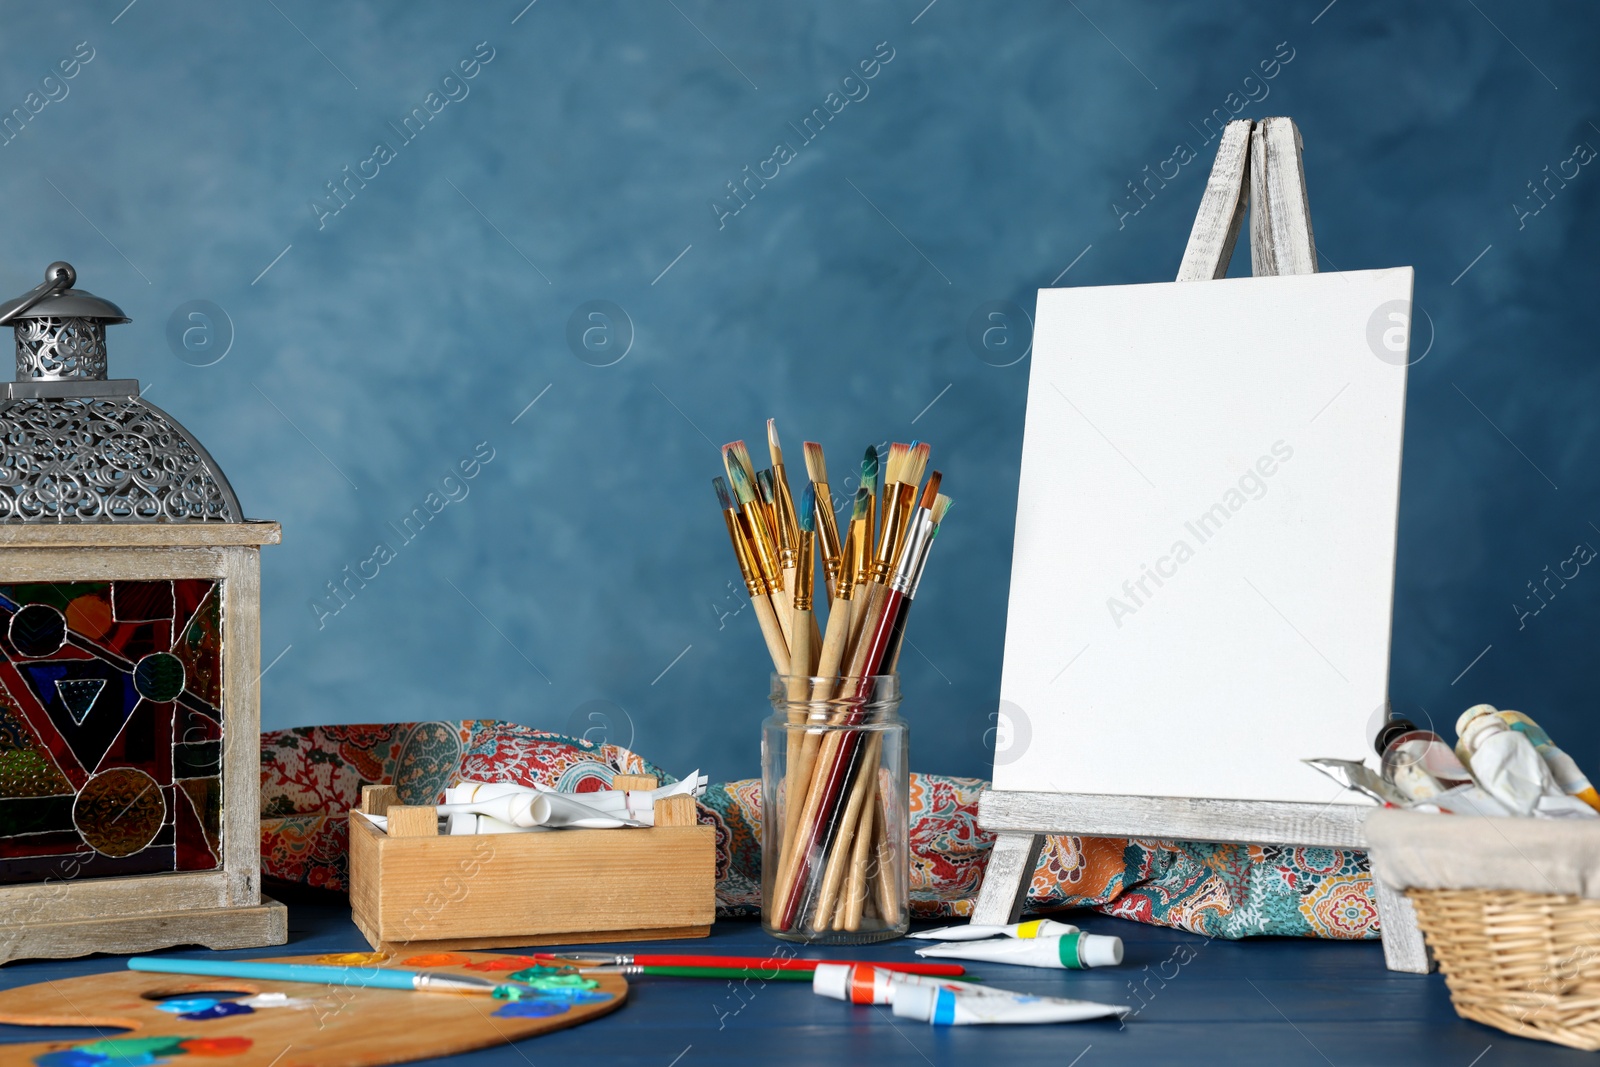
pixel 110 728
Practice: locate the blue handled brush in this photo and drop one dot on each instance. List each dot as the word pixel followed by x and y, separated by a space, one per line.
pixel 368 977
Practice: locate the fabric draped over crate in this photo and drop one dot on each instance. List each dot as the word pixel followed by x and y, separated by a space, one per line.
pixel 312 776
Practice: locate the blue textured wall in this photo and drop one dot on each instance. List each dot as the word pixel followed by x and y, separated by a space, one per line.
pixel 582 581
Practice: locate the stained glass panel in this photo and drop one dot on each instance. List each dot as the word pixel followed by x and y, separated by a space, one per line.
pixel 110 728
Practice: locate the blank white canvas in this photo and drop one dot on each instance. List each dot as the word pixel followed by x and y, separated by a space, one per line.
pixel 1258 422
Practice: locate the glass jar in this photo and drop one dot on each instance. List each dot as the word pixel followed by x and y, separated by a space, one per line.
pixel 835 789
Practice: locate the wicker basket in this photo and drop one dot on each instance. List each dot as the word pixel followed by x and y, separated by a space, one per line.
pixel 1511 911
pixel 1525 963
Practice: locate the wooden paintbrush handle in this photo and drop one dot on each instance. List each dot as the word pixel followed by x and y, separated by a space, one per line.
pixel 795 846
pixel 777 647
pixel 839 855
pixel 887 870
pixel 855 898
pixel 783 604
pixel 799 694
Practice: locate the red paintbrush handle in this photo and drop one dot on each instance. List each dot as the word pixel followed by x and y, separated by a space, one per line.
pixel 935 970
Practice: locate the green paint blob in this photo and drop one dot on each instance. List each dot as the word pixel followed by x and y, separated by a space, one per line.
pixel 129 1047
pixel 552 978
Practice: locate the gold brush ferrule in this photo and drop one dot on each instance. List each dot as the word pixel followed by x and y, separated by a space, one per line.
pixel 864 542
pixel 908 511
pixel 848 570
pixel 805 571
pixel 855 560
pixel 754 584
pixel 783 502
pixel 756 538
pixel 888 536
pixel 828 530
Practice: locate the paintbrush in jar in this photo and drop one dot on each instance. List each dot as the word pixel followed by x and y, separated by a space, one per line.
pixel 798 683
pixel 755 585
pixel 741 476
pixel 910 477
pixel 827 526
pixel 784 602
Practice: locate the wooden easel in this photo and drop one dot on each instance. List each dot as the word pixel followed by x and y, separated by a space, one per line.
pixel 1280 243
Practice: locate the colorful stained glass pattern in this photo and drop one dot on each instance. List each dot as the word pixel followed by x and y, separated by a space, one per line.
pixel 110 728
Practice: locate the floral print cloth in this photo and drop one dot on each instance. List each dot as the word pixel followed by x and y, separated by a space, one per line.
pixel 312 776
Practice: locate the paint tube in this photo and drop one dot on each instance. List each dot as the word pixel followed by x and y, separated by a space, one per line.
pixel 977 932
pixel 630 805
pixel 946 1007
pixel 1073 952
pixel 1417 762
pixel 861 983
pixel 1506 765
pixel 1563 768
pixel 1462 800
pixel 1358 777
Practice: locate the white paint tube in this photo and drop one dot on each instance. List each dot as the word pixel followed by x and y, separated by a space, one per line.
pixel 861 983
pixel 1074 951
pixel 469 825
pixel 946 1007
pixel 1506 765
pixel 552 810
pixel 1563 768
pixel 634 806
pixel 977 932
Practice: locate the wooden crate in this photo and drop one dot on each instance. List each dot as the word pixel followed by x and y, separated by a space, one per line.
pixel 411 888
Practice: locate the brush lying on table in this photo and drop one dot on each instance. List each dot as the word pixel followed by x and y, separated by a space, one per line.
pixel 833 870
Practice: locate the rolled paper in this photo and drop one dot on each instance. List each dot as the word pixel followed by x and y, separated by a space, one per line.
pixel 948 1007
pixel 1075 951
pixel 1034 928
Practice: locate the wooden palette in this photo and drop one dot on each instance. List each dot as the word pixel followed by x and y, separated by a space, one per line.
pixel 339 1026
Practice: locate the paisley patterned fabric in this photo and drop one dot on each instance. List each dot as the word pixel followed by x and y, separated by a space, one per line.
pixel 311 776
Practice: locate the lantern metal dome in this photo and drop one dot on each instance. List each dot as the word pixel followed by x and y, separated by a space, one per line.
pixel 77 446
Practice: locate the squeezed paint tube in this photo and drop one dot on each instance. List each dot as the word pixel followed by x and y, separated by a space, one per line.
pixel 1563 768
pixel 520 813
pixel 525 810
pixel 1506 765
pixel 1358 777
pixel 946 1007
pixel 633 805
pixel 1417 762
pixel 861 983
pixel 1075 951
pixel 977 932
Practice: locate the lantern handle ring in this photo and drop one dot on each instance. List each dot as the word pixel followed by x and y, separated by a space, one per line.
pixel 58 277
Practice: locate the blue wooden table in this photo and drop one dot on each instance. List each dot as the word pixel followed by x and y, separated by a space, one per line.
pixel 1197 1001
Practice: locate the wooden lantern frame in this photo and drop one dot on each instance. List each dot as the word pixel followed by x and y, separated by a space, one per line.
pixel 136 913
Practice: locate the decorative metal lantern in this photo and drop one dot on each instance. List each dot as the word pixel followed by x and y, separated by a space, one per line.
pixel 129 660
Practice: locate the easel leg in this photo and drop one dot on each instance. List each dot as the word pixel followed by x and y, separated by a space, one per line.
pixel 1403 946
pixel 1005 881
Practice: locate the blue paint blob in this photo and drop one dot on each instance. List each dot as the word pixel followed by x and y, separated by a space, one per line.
pixel 577 996
pixel 218 1010
pixel 532 1008
pixel 184 1005
pixel 69 1057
